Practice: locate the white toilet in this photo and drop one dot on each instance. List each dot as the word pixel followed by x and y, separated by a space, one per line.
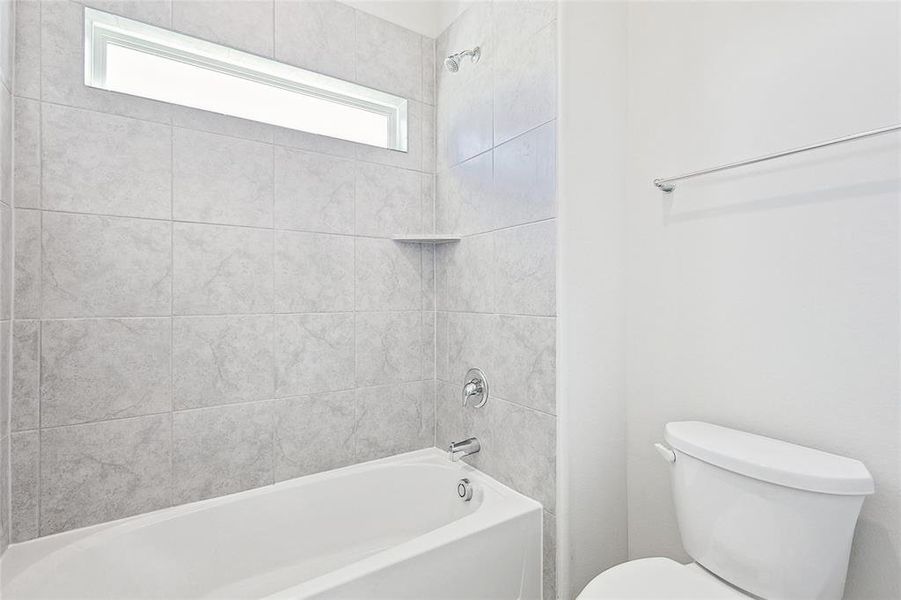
pixel 760 517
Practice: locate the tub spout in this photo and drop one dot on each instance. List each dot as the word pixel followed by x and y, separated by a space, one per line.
pixel 458 450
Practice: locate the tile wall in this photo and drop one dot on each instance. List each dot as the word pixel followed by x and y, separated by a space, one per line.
pixel 6 246
pixel 496 289
pixel 205 304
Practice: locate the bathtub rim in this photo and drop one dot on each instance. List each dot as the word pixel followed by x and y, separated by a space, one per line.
pixel 21 556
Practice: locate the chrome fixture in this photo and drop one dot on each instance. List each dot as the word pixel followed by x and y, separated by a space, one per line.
pixel 452 62
pixel 458 450
pixel 667 184
pixel 464 489
pixel 475 386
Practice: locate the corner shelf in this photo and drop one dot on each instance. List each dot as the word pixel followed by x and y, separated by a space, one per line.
pixel 427 238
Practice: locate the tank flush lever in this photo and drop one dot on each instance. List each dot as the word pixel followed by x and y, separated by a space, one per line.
pixel 667 454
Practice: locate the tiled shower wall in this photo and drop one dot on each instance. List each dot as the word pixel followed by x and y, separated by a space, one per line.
pixel 6 244
pixel 206 304
pixel 496 288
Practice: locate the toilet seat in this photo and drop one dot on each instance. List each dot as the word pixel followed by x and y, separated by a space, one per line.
pixel 658 579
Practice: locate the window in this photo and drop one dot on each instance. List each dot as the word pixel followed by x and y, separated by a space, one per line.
pixel 134 58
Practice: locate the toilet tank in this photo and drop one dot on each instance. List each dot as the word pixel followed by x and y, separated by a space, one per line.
pixel 771 518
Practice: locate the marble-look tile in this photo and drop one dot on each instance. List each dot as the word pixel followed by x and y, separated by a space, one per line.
pixel 471 343
pixel 525 85
pixel 104 471
pixel 7 114
pixel 464 274
pixel 516 20
pixel 454 423
pixel 388 347
pixel 313 192
pixel 27 298
pixel 428 345
pixel 389 200
pixel 242 24
pixel 429 137
pixel 62 59
pixel 316 35
pixel 519 449
pixel 221 360
pixel 154 12
pixel 312 142
pixel 429 199
pixel 391 419
pixel 105 164
pixel 313 434
pixel 314 353
pixel 428 70
pixel 525 182
pixel 465 197
pixel 472 28
pixel 25 455
pixel 221 450
pixel 7 50
pixel 411 158
pixel 5 475
pixel 25 401
pixel 428 277
pixel 466 130
pixel 442 372
pixel 314 272
pixel 97 369
pixel 104 266
pixel 221 179
pixel 211 122
pixel 27 80
pixel 388 275
pixel 524 361
pixel 388 57
pixel 221 269
pixel 7 262
pixel 27 172
pixel 549 552
pixel 525 269
pixel 5 354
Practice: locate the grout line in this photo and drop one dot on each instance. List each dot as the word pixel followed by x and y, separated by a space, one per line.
pixel 171 310
pixel 493 147
pixel 6 433
pixel 231 315
pixel 40 283
pixel 385 237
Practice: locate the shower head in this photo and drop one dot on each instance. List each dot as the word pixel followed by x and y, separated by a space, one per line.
pixel 452 62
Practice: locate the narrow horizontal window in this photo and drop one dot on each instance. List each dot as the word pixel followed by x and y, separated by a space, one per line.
pixel 130 57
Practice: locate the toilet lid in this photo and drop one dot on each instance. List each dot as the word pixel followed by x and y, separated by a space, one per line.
pixel 658 579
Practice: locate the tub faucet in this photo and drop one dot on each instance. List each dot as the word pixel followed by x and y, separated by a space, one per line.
pixel 458 450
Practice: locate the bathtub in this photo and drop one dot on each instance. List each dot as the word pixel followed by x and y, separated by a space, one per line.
pixel 392 528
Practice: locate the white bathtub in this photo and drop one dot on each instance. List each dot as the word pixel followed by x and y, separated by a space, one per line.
pixel 393 528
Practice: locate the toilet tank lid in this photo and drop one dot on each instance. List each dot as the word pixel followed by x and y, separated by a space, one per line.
pixel 770 460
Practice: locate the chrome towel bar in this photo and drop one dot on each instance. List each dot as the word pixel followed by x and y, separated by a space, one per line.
pixel 667 184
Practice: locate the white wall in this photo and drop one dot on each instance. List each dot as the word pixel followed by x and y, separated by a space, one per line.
pixel 592 421
pixel 765 299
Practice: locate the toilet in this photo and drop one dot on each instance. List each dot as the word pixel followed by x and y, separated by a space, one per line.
pixel 761 518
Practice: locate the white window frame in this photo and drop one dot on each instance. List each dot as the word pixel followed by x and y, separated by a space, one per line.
pixel 105 29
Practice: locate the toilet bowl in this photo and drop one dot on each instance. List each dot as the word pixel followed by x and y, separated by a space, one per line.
pixel 761 518
pixel 653 578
